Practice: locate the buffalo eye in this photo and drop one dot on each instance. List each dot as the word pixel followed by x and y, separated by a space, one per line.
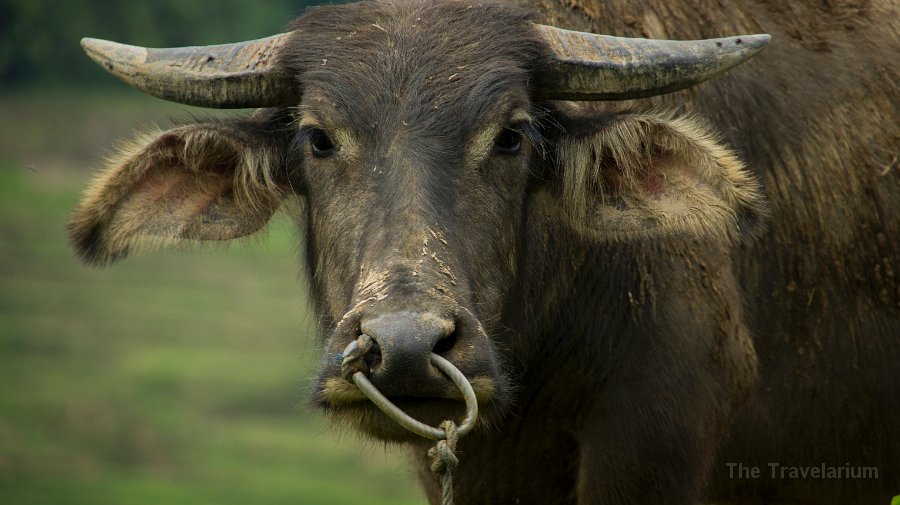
pixel 509 141
pixel 320 144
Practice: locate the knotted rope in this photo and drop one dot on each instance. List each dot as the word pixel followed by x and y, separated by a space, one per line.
pixel 444 460
pixel 443 454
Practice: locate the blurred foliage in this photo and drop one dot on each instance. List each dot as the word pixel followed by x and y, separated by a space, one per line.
pixel 39 39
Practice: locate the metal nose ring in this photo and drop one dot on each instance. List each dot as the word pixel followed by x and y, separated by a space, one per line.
pixel 353 356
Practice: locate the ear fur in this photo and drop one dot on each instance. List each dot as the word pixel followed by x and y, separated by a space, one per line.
pixel 198 182
pixel 635 176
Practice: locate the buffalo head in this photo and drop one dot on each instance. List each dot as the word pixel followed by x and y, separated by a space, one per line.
pixel 431 161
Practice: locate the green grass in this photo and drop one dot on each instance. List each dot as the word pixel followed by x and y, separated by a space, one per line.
pixel 174 377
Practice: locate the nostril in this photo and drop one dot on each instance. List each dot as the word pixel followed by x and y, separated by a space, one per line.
pixel 361 355
pixel 373 356
pixel 445 345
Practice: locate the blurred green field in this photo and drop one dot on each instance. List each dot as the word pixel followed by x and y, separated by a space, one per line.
pixel 176 377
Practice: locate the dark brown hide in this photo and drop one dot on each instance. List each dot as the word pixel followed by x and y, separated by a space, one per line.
pixel 817 116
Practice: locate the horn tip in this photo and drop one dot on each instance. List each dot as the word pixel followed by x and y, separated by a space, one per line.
pixel 747 44
pixel 90 46
pixel 97 50
pixel 102 51
pixel 93 46
pixel 757 41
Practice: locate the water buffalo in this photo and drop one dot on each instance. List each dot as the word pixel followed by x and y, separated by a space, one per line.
pixel 636 328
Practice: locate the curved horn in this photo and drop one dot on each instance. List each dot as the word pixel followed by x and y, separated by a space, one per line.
pixel 226 76
pixel 586 66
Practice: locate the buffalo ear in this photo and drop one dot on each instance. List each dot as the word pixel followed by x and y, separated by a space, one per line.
pixel 199 182
pixel 634 176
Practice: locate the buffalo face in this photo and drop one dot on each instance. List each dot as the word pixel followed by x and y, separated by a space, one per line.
pixel 416 155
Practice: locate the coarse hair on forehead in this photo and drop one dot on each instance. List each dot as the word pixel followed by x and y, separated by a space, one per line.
pixel 381 60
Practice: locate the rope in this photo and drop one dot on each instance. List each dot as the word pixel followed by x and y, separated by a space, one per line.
pixel 444 460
